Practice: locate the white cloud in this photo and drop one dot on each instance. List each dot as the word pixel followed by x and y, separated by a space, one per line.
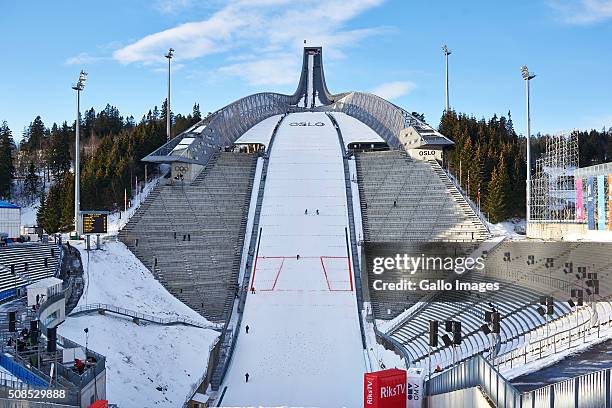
pixel 82 59
pixel 265 34
pixel 268 71
pixel 393 90
pixel 582 12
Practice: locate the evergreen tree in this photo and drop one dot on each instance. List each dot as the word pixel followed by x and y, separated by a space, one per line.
pixel 35 135
pixel 42 210
pixel 31 186
pixel 7 168
pixel 496 202
pixel 59 158
pixel 196 114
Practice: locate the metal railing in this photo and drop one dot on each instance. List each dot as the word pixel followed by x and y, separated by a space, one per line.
pixel 552 344
pixel 466 197
pixel 589 390
pixel 473 373
pixel 223 128
pixel 169 321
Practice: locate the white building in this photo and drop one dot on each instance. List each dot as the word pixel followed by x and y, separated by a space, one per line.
pixel 10 219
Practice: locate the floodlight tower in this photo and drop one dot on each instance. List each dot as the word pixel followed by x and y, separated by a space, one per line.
pixel 447 52
pixel 169 56
pixel 528 76
pixel 78 87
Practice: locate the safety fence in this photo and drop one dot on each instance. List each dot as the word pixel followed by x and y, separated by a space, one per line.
pixel 169 321
pixel 582 333
pixel 589 390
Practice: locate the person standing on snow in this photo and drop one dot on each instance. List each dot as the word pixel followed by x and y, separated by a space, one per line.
pixel 246 377
pixel 247 329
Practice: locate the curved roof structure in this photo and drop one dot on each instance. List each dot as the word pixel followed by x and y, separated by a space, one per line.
pixel 226 125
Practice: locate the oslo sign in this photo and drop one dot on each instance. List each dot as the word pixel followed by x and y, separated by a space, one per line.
pixel 306 124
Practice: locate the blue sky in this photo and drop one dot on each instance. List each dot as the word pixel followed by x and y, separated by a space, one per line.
pixel 229 49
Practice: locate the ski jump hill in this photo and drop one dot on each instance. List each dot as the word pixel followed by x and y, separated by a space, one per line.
pixel 263 222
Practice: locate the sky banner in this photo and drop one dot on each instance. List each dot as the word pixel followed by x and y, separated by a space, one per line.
pixel 579 207
pixel 590 204
pixel 601 203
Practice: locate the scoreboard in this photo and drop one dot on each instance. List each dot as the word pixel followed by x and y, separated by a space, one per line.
pixel 95 223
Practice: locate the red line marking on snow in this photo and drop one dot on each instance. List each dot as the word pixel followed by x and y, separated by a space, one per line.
pixel 277 274
pixel 325 272
pixel 350 273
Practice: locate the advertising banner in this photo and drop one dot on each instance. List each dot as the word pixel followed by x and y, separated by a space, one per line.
pixel 601 203
pixel 579 204
pixel 590 204
pixel 610 202
pixel 415 387
pixel 385 389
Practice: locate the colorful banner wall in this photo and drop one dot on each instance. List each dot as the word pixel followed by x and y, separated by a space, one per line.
pixel 610 202
pixel 590 204
pixel 601 203
pixel 579 205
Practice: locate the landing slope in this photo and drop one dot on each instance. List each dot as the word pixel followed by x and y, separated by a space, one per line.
pixel 304 345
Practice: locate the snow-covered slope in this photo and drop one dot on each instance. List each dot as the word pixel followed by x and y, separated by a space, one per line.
pixel 140 359
pixel 304 345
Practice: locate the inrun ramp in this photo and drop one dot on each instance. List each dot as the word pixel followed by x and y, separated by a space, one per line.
pixel 304 344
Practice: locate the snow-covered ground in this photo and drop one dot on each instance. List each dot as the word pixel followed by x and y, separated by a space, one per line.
pixel 304 345
pixel 508 228
pixel 28 215
pixel 139 358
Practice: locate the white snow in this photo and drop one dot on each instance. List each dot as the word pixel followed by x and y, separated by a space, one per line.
pixel 304 345
pixel 355 131
pixel 507 228
pixel 139 358
pixel 260 132
pixel 28 214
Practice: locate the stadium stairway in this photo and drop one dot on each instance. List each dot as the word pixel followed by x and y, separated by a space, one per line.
pixel 191 235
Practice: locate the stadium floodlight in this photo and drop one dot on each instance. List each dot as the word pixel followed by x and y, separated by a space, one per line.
pixel 528 76
pixel 78 87
pixel 447 52
pixel 169 55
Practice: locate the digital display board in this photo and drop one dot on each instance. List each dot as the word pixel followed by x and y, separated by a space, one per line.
pixel 95 224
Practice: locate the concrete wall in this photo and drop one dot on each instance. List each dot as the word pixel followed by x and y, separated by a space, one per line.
pixel 89 391
pixel 468 398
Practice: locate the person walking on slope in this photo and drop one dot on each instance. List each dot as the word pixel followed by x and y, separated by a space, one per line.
pixel 246 377
pixel 306 211
pixel 247 329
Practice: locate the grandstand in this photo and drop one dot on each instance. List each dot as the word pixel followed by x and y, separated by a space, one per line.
pixel 403 199
pixel 190 235
pixel 31 262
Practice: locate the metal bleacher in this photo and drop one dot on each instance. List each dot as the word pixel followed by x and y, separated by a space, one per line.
pixel 190 235
pixel 32 262
pixel 522 285
pixel 407 200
